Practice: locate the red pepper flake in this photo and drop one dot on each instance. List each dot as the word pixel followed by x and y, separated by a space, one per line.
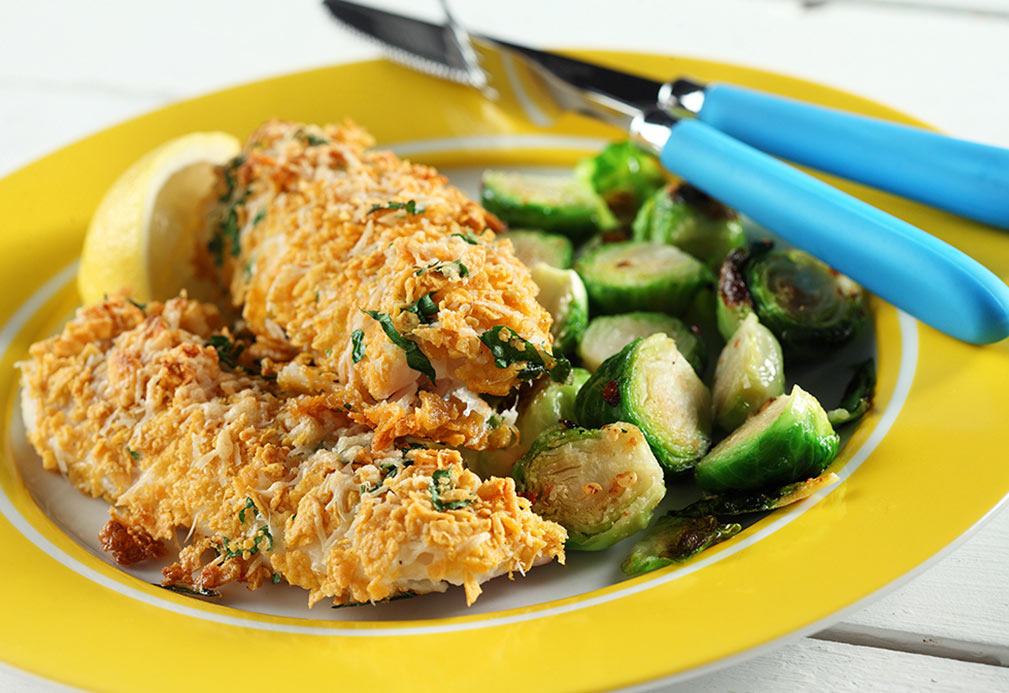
pixel 611 393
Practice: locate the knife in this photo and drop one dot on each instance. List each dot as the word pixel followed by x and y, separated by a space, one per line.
pixel 911 269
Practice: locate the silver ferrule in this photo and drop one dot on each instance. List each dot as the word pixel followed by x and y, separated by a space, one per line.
pixel 650 129
pixel 682 97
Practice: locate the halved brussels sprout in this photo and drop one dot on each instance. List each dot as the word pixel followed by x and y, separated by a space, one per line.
pixel 624 175
pixel 806 304
pixel 750 371
pixel 858 396
pixel 600 484
pixel 674 539
pixel 788 440
pixel 743 502
pixel 549 404
pixel 559 205
pixel 608 334
pixel 688 218
pixel 650 384
pixel 535 246
pixel 563 294
pixel 622 277
pixel 733 298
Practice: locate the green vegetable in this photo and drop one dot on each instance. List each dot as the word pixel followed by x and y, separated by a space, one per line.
pixel 734 302
pixel 357 345
pixel 415 358
pixel 424 308
pixel 683 216
pixel 743 502
pixel 549 404
pixel 600 484
pixel 624 176
pixel 674 539
pixel 509 348
pixel 563 294
pixel 789 440
pixel 628 276
pixel 441 483
pixel 650 384
pixel 566 206
pixel 807 306
pixel 608 334
pixel 750 371
pixel 858 396
pixel 535 246
pixel 227 351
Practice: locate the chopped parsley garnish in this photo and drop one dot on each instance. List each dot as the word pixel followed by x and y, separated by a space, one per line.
pixel 441 482
pixel 229 175
pixel 310 139
pixel 275 579
pixel 509 348
pixel 410 207
pixel 260 215
pixel 139 305
pixel 468 237
pixel 442 268
pixel 133 453
pixel 227 351
pixel 357 345
pixel 424 308
pixel 249 505
pixel 415 358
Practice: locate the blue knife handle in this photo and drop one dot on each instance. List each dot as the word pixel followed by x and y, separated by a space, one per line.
pixel 911 269
pixel 965 178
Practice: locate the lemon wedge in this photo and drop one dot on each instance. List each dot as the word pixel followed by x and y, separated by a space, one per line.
pixel 142 237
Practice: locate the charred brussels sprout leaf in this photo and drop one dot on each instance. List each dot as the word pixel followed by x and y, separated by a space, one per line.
pixel 858 396
pixel 790 439
pixel 602 485
pixel 623 175
pixel 733 302
pixel 563 294
pixel 674 540
pixel 558 205
pixel 532 247
pixel 743 502
pixel 683 216
pixel 650 384
pixel 750 371
pixel 509 348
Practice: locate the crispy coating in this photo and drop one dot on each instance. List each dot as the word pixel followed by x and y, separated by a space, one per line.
pixel 315 228
pixel 133 405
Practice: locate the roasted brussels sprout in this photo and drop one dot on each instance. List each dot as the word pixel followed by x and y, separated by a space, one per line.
pixel 858 396
pixel 650 384
pixel 733 302
pixel 750 371
pixel 563 294
pixel 600 484
pixel 624 176
pixel 608 334
pixel 807 305
pixel 674 539
pixel 622 277
pixel 688 218
pixel 790 439
pixel 559 205
pixel 743 502
pixel 547 405
pixel 535 246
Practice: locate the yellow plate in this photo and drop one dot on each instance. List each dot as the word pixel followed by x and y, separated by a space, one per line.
pixel 918 472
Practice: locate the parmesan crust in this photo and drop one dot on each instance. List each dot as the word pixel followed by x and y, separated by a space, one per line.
pixel 137 407
pixel 326 229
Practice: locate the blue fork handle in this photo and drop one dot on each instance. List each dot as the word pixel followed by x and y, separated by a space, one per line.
pixel 911 269
pixel 965 178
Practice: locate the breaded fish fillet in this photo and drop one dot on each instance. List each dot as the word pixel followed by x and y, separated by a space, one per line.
pixel 314 229
pixel 154 410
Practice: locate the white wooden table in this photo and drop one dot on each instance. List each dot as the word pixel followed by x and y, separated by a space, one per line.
pixel 70 68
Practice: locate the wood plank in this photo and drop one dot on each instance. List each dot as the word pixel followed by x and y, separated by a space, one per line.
pixel 812 665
